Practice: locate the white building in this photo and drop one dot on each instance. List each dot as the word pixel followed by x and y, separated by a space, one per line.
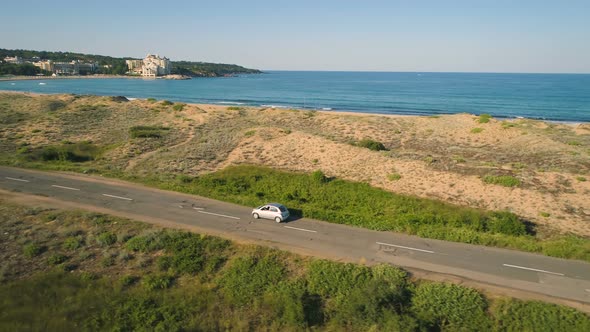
pixel 15 60
pixel 154 66
pixel 45 65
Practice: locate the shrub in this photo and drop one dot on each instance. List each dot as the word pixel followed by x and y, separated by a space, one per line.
pixel 319 177
pixel 451 307
pixel 159 281
pixel 56 259
pixel 106 239
pixel 544 214
pixel 146 243
pixel 507 124
pixel 581 178
pixel 504 222
pixel 250 133
pixel 167 102
pixel 72 243
pixel 235 108
pixel 331 279
pixel 476 130
pixel 503 180
pixel 128 280
pixel 574 143
pixel 148 131
pixel 192 253
pixel 484 118
pixel 394 177
pixel 285 302
pixel 72 152
pixel 248 277
pixel 32 250
pixel 371 145
pixel 516 315
pixel 151 100
pixel 178 107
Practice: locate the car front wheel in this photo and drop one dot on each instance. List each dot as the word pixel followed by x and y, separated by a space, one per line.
pixel 255 215
pixel 278 219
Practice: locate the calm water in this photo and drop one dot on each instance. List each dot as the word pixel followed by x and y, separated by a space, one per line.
pixel 559 97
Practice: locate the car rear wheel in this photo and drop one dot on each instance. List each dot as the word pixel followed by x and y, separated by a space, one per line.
pixel 278 219
pixel 255 215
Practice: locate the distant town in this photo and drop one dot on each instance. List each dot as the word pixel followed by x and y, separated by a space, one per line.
pixel 150 66
pixel 46 63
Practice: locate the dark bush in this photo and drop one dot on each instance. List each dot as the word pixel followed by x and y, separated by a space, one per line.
pixel 106 239
pixel 371 145
pixel 451 307
pixel 506 223
pixel 32 250
pixel 148 131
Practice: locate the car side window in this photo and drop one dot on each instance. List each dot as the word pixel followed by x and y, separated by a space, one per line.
pixel 264 208
pixel 274 209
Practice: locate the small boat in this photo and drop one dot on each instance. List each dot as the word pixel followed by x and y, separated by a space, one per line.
pixel 42 83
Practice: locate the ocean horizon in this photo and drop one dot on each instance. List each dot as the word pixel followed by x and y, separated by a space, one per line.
pixel 552 97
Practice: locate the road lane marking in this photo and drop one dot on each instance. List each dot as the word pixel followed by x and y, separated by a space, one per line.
pixel 119 197
pixel 403 247
pixel 301 229
pixel 62 187
pixel 196 208
pixel 15 179
pixel 219 215
pixel 531 269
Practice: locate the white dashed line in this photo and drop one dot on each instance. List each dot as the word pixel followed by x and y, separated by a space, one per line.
pixel 301 229
pixel 409 248
pixel 196 208
pixel 62 187
pixel 15 179
pixel 219 215
pixel 119 197
pixel 531 269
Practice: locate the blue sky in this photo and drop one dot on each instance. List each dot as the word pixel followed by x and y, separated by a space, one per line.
pixel 445 35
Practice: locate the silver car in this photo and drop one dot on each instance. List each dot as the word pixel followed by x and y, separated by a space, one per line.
pixel 277 212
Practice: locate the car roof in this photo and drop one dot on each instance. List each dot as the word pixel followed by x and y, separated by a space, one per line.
pixel 275 204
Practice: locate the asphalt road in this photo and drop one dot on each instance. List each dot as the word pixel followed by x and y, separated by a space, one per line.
pixel 558 278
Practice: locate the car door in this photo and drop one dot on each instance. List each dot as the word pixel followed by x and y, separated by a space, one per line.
pixel 265 212
pixel 274 212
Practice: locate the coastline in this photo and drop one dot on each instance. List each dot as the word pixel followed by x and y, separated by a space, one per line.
pixel 322 111
pixel 96 76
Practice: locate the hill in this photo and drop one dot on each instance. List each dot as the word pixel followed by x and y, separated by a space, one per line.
pixel 117 66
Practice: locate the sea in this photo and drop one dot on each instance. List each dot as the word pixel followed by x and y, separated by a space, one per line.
pixel 553 97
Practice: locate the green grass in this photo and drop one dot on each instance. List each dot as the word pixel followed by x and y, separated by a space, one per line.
pixel 508 124
pixel 148 131
pixel 167 103
pixel 235 108
pixel 250 133
pixel 581 178
pixel 476 130
pixel 371 144
pixel 394 177
pixel 484 118
pixel 502 180
pixel 178 107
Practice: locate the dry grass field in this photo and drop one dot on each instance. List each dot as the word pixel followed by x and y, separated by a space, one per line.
pixel 535 169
